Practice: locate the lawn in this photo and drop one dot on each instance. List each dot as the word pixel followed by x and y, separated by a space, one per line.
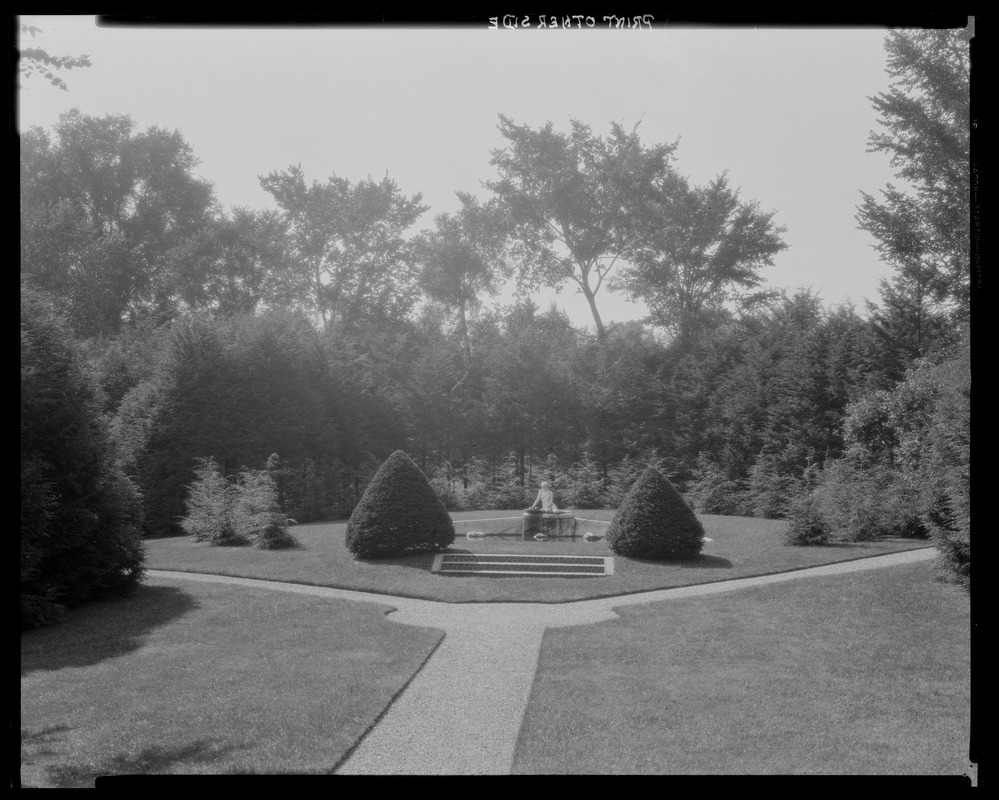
pixel 739 547
pixel 856 673
pixel 191 678
pixel 865 673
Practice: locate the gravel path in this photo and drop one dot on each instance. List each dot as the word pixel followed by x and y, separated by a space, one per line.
pixel 461 714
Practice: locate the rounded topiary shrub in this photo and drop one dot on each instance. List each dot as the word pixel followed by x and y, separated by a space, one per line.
pixel 654 521
pixel 398 513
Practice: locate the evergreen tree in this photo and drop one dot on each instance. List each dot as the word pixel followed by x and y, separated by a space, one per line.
pixel 258 515
pixel 211 512
pixel 923 230
pixel 806 524
pixel 713 492
pixel 398 513
pixel 81 517
pixel 655 522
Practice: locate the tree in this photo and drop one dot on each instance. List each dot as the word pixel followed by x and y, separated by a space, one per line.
pixel 211 503
pixel 35 61
pixel 945 468
pixel 655 522
pixel 699 244
pixel 234 389
pixel 81 516
pixel 530 403
pixel 923 230
pixel 571 199
pixel 805 523
pixel 462 257
pixel 101 207
pixel 399 513
pixel 353 263
pixel 258 512
pixel 235 264
pixel 914 444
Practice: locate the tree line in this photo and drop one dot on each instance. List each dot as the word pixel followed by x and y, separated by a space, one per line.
pixel 329 332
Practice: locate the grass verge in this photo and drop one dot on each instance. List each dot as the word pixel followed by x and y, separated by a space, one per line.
pixel 739 547
pixel 864 673
pixel 193 678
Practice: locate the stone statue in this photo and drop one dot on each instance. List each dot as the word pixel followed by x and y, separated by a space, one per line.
pixel 545 499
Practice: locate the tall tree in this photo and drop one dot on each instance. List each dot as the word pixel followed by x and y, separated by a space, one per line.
pixel 571 198
pixel 80 515
pixel 463 257
pixel 236 263
pixel 101 207
pixel 700 246
pixel 347 239
pixel 923 230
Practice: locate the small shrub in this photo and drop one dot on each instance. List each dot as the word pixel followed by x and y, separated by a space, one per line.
pixel 771 494
pixel 258 514
pixel 508 496
pixel 806 524
pixel 276 536
pixel 655 522
pixel 864 503
pixel 398 513
pixel 586 488
pixel 712 492
pixel 476 497
pixel 211 501
pixel 865 524
pixel 222 512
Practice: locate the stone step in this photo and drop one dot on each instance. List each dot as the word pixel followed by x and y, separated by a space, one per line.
pixel 515 564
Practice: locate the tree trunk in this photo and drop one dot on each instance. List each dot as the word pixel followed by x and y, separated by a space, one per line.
pixel 592 300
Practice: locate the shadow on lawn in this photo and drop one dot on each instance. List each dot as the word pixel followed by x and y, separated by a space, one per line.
pixel 40 742
pixel 149 761
pixel 103 629
pixel 700 562
pixel 418 560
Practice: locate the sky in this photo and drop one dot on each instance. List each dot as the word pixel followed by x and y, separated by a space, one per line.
pixel 785 111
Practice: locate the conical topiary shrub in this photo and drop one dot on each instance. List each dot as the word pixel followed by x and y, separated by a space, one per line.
pixel 654 521
pixel 398 513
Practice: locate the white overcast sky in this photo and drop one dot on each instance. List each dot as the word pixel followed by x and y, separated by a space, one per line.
pixel 784 110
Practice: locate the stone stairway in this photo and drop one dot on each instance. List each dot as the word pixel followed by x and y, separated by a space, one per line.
pixel 509 564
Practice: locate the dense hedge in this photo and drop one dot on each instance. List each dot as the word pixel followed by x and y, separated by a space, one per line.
pixel 398 513
pixel 654 521
pixel 80 515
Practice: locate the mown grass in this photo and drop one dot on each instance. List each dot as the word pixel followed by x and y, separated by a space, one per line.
pixel 186 677
pixel 739 547
pixel 864 673
pixel 192 678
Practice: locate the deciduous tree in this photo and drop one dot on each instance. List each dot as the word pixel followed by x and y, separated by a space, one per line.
pixel 700 247
pixel 462 257
pixel 234 265
pixel 354 263
pixel 572 198
pixel 101 206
